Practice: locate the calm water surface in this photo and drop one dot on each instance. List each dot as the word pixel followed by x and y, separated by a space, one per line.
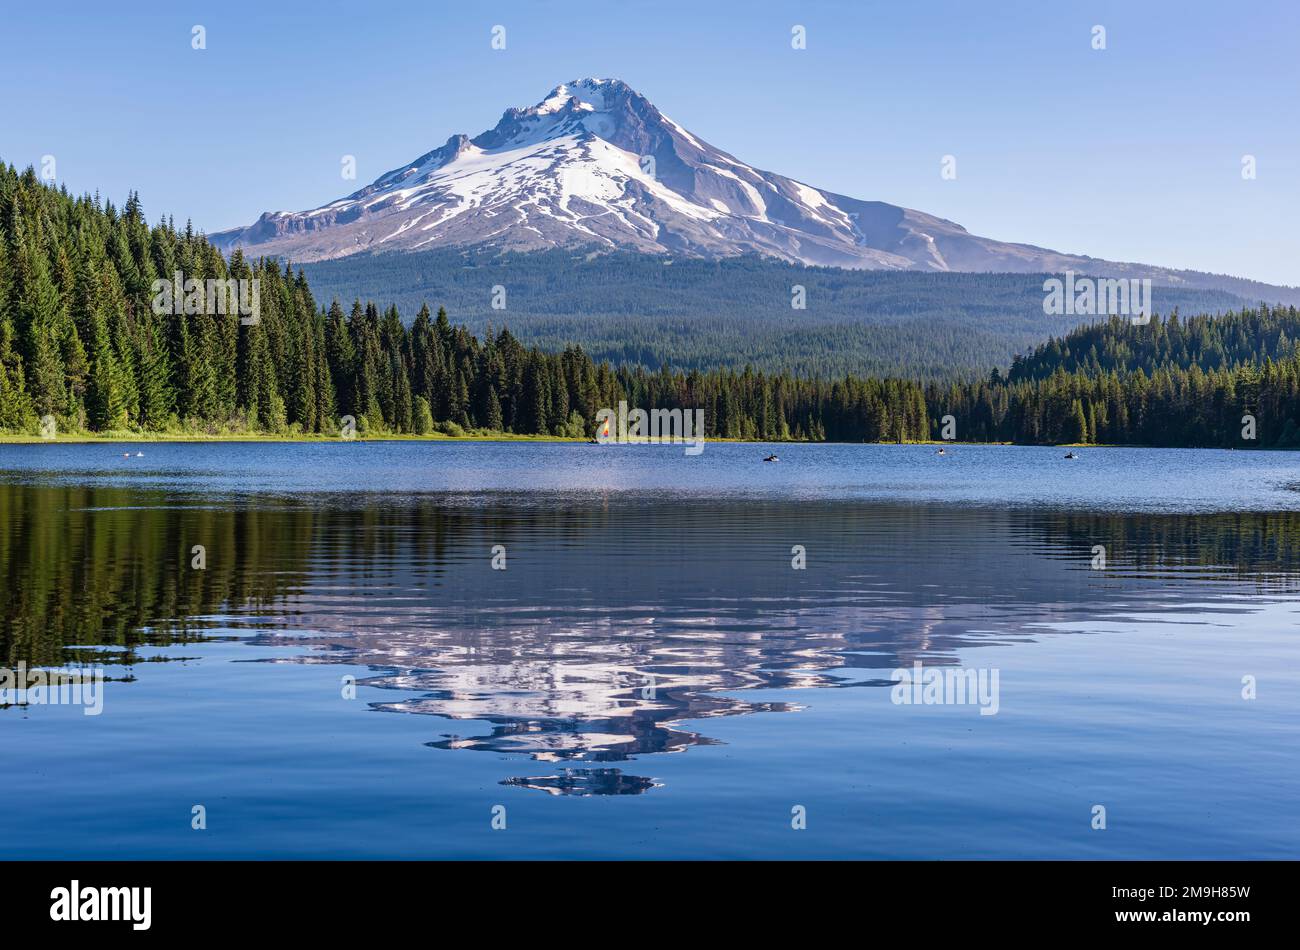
pixel 649 676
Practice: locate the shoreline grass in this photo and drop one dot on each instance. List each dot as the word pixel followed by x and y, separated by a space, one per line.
pixel 478 435
pixel 93 438
pixel 123 437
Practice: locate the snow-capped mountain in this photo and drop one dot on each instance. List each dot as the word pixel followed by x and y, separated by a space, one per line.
pixel 595 163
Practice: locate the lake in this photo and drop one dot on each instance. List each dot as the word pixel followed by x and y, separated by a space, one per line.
pixel 549 650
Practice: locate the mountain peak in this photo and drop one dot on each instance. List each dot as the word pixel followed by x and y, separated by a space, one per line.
pixel 594 93
pixel 595 163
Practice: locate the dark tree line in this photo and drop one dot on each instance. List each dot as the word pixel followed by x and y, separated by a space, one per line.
pixel 81 342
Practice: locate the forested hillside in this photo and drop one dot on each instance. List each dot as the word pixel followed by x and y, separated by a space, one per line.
pixel 82 344
pixel 703 314
pixel 1225 341
pixel 1175 382
pixel 79 340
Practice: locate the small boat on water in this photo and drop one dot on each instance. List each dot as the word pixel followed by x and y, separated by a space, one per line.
pixel 1071 455
pixel 772 458
pixel 941 452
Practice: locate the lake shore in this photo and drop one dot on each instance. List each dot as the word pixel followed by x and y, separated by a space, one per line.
pixel 90 438
pixel 9 438
pixel 23 438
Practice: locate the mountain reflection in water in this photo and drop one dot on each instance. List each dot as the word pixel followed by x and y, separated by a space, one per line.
pixel 618 619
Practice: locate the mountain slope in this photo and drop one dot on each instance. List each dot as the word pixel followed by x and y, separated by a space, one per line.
pixel 597 164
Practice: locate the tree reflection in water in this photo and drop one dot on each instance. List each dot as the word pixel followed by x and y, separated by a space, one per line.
pixel 618 620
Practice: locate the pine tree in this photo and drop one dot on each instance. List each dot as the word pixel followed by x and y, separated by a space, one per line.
pixel 15 406
pixel 324 380
pixel 303 390
pixel 39 315
pixel 341 356
pixel 492 413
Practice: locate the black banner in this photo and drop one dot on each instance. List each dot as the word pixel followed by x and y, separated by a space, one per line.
pixel 342 899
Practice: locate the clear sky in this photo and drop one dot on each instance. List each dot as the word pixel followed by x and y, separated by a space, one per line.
pixel 1130 153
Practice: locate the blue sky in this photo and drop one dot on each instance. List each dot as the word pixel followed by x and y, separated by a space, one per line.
pixel 1131 153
